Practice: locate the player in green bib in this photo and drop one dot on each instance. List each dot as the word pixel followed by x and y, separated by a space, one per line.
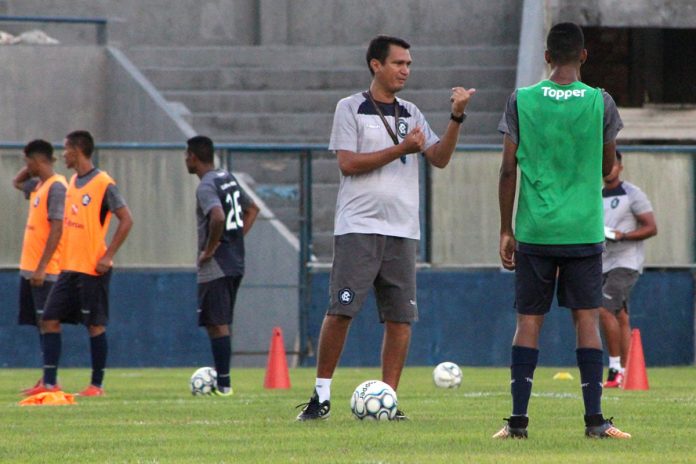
pixel 561 134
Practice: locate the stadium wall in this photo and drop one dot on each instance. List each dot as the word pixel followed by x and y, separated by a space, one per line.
pixel 285 22
pixel 49 91
pixel 466 316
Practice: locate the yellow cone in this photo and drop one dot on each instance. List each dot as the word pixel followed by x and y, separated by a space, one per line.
pixel 562 376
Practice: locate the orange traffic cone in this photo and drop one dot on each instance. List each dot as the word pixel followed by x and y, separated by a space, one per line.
pixel 636 377
pixel 277 375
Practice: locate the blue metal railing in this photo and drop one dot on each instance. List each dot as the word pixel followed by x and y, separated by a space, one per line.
pixel 100 24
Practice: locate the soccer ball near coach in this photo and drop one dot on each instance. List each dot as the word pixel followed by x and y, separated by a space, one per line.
pixel 374 400
pixel 447 375
pixel 203 381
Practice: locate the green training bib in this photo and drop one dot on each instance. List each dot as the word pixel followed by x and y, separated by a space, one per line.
pixel 560 159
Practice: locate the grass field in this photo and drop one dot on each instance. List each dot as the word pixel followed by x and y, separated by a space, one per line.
pixel 148 416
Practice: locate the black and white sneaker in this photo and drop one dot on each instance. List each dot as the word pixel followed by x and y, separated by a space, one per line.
pixel 400 415
pixel 313 409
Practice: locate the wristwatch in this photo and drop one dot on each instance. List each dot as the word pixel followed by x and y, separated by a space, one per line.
pixel 459 119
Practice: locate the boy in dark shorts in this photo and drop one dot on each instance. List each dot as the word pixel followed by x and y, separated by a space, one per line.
pixel 224 213
pixel 81 294
pixel 561 134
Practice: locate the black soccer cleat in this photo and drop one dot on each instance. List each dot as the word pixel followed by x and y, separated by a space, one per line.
pixel 313 409
pixel 516 428
pixel 605 429
pixel 400 415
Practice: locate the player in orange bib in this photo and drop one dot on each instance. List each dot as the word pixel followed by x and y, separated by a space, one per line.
pixel 40 262
pixel 82 291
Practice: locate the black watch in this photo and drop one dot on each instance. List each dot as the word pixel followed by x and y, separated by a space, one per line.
pixel 459 119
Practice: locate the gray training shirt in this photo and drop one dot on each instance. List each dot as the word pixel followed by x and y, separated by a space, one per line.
pixel 621 206
pixel 219 188
pixel 384 201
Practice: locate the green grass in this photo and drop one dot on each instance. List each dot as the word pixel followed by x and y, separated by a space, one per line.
pixel 148 416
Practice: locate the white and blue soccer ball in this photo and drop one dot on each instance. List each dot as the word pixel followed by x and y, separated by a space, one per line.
pixel 374 400
pixel 447 375
pixel 203 381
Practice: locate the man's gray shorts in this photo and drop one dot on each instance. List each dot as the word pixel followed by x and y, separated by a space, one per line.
pixel 617 287
pixel 364 261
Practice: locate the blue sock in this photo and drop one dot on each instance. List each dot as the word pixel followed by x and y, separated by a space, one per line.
pixel 41 343
pixel 524 361
pixel 51 355
pixel 99 349
pixel 590 363
pixel 222 351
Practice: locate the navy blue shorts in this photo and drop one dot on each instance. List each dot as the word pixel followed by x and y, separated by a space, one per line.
pixel 32 301
pixel 579 282
pixel 79 298
pixel 216 301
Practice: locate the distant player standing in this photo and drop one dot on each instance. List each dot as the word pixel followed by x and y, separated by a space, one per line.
pixel 81 293
pixel 629 218
pixel 377 226
pixel 561 134
pixel 40 262
pixel 225 214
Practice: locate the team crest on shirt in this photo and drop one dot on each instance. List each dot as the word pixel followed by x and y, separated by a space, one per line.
pixel 402 127
pixel 345 296
pixel 614 203
pixel 36 201
pixel 86 199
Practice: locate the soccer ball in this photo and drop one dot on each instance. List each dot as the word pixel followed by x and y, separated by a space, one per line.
pixel 374 400
pixel 203 381
pixel 447 375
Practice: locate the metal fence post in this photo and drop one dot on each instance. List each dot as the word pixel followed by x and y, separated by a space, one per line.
pixel 424 192
pixel 305 277
pixel 102 33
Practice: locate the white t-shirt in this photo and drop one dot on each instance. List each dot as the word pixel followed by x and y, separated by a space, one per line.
pixel 383 201
pixel 621 206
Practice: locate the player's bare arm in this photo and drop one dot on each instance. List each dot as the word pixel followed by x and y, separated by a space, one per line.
pixel 125 223
pixel 608 157
pixel 507 185
pixel 20 178
pixel 351 163
pixel 249 217
pixel 216 227
pixel 56 231
pixel 647 227
pixel 439 155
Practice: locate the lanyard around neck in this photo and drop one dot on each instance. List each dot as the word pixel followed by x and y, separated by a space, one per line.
pixel 391 133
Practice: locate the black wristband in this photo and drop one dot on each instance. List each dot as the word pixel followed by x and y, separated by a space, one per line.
pixel 459 119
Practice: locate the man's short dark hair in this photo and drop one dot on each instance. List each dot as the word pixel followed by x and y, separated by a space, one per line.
pixel 619 156
pixel 565 43
pixel 202 147
pixel 39 147
pixel 379 48
pixel 82 140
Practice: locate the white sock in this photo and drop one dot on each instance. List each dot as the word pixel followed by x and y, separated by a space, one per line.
pixel 622 370
pixel 323 388
pixel 615 362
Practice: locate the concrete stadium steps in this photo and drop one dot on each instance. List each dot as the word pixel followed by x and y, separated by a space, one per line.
pixel 321 79
pixel 284 57
pixel 284 101
pixel 287 94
